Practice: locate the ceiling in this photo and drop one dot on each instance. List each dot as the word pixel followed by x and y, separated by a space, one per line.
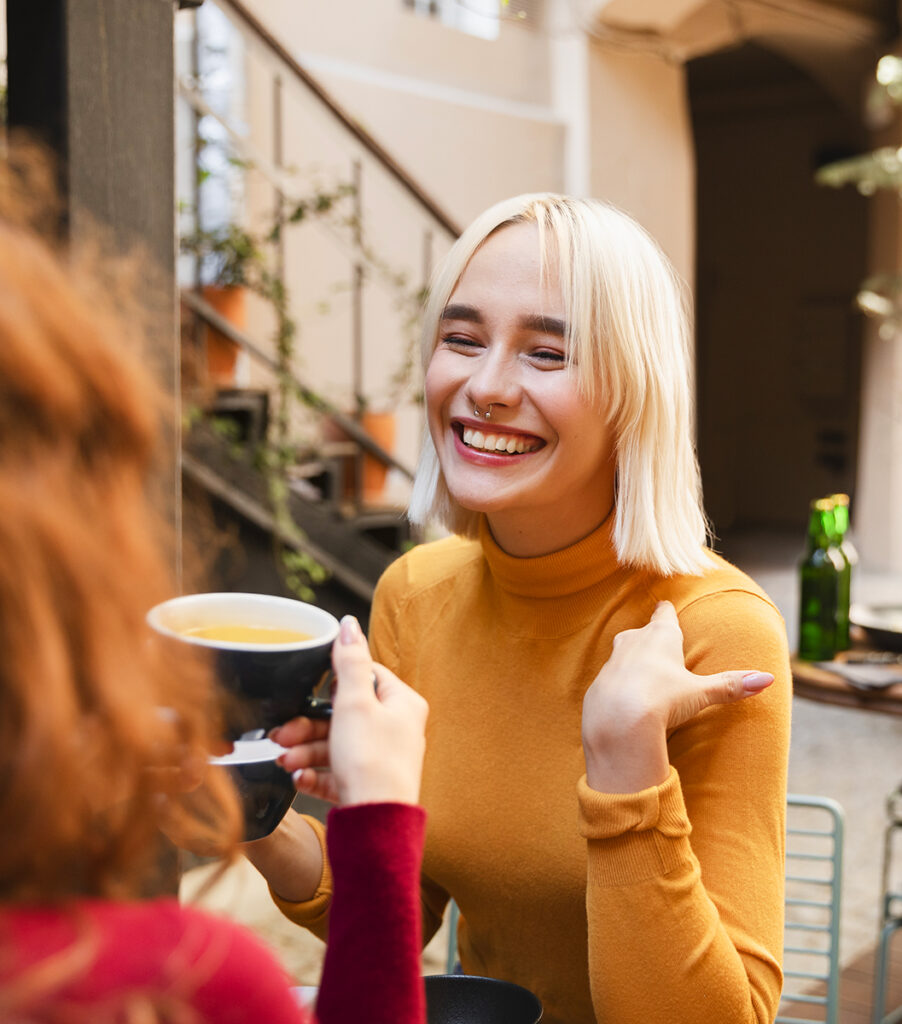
pixel 684 19
pixel 880 10
pixel 834 42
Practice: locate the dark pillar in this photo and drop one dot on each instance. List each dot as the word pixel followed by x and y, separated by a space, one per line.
pixel 94 80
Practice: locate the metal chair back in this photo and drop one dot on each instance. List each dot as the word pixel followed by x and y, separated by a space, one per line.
pixel 814 860
pixel 890 912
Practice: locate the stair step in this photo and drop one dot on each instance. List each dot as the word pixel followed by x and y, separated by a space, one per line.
pixel 338 544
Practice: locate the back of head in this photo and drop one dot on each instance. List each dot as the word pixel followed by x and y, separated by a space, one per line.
pixel 92 767
pixel 629 351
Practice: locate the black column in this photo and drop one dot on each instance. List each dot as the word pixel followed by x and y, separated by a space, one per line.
pixel 36 73
pixel 94 81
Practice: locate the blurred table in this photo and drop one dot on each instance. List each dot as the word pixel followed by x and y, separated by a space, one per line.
pixel 815 683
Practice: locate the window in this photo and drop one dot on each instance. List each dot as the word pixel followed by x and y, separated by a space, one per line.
pixel 480 18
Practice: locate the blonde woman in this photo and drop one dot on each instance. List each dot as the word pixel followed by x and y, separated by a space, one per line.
pixel 605 804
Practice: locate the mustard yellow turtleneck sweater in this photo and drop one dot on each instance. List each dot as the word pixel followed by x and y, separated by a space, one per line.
pixel 660 906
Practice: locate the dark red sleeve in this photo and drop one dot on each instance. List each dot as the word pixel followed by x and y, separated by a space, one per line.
pixel 372 967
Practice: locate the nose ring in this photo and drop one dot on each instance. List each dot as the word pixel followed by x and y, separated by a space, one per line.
pixel 483 415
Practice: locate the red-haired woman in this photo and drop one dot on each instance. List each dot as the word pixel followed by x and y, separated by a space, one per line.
pixel 92 773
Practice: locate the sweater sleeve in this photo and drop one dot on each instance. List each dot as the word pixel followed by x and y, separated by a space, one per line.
pixel 312 914
pixel 372 967
pixel 685 880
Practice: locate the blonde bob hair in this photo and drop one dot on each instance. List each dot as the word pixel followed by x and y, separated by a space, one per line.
pixel 628 348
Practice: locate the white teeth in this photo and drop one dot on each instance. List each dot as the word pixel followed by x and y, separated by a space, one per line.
pixel 496 442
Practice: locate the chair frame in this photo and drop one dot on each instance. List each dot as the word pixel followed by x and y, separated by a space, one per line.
pixel 832 836
pixel 890 914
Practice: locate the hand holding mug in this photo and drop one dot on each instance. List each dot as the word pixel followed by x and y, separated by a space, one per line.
pixel 372 751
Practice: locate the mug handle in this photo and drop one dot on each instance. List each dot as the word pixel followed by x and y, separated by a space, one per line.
pixel 318 707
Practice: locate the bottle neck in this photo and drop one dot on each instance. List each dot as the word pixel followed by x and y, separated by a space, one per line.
pixel 840 521
pixel 821 529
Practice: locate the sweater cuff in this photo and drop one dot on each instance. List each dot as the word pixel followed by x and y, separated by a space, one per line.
pixel 376 851
pixel 312 912
pixel 368 837
pixel 634 836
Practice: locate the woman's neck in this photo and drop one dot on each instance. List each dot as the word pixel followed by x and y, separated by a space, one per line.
pixel 531 537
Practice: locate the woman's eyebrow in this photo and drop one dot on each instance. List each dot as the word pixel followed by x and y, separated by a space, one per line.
pixel 458 311
pixel 529 321
pixel 544 324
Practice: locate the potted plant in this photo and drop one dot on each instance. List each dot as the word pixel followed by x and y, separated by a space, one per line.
pixel 380 425
pixel 230 261
pixel 377 416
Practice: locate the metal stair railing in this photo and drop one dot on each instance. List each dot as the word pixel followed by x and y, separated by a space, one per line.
pixel 393 216
pixel 309 397
pixel 348 124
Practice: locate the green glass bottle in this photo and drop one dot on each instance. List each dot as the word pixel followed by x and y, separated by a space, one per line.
pixel 819 585
pixel 849 557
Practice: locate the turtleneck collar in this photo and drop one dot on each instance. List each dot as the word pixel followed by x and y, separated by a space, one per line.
pixel 589 563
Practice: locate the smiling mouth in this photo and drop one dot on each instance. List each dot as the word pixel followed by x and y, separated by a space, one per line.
pixel 498 443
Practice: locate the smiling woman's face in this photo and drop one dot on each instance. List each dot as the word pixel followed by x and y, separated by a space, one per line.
pixel 542 466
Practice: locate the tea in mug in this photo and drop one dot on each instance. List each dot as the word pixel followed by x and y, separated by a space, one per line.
pixel 238 633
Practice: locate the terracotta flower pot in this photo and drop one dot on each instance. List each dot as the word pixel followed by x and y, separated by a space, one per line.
pixel 222 353
pixel 381 427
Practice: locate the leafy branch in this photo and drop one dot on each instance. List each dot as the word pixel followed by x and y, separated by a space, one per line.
pixel 231 256
pixel 880 295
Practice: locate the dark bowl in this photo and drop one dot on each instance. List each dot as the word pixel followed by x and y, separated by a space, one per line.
pixel 882 624
pixel 468 999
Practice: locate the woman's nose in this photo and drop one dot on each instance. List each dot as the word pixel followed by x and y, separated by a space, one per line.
pixel 496 381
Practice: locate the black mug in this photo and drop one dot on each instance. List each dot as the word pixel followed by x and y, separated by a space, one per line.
pixel 265 788
pixel 272 654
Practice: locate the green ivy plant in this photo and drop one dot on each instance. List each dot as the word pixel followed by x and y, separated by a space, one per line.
pixel 228 256
pixel 233 256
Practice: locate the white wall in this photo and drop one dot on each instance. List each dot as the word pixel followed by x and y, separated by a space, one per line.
pixel 472 121
pixel 642 152
pixel 877 518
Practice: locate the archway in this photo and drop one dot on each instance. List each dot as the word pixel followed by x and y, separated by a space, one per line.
pixel 779 260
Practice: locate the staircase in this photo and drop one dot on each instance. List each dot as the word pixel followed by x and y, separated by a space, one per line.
pixel 228 482
pixel 384 212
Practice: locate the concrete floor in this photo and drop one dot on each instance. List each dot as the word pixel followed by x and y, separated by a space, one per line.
pixel 853 756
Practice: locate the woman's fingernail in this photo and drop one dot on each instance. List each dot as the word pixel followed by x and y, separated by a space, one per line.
pixel 296 775
pixel 273 734
pixel 754 682
pixel 350 630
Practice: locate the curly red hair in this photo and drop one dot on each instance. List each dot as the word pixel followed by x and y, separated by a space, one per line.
pixel 104 733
